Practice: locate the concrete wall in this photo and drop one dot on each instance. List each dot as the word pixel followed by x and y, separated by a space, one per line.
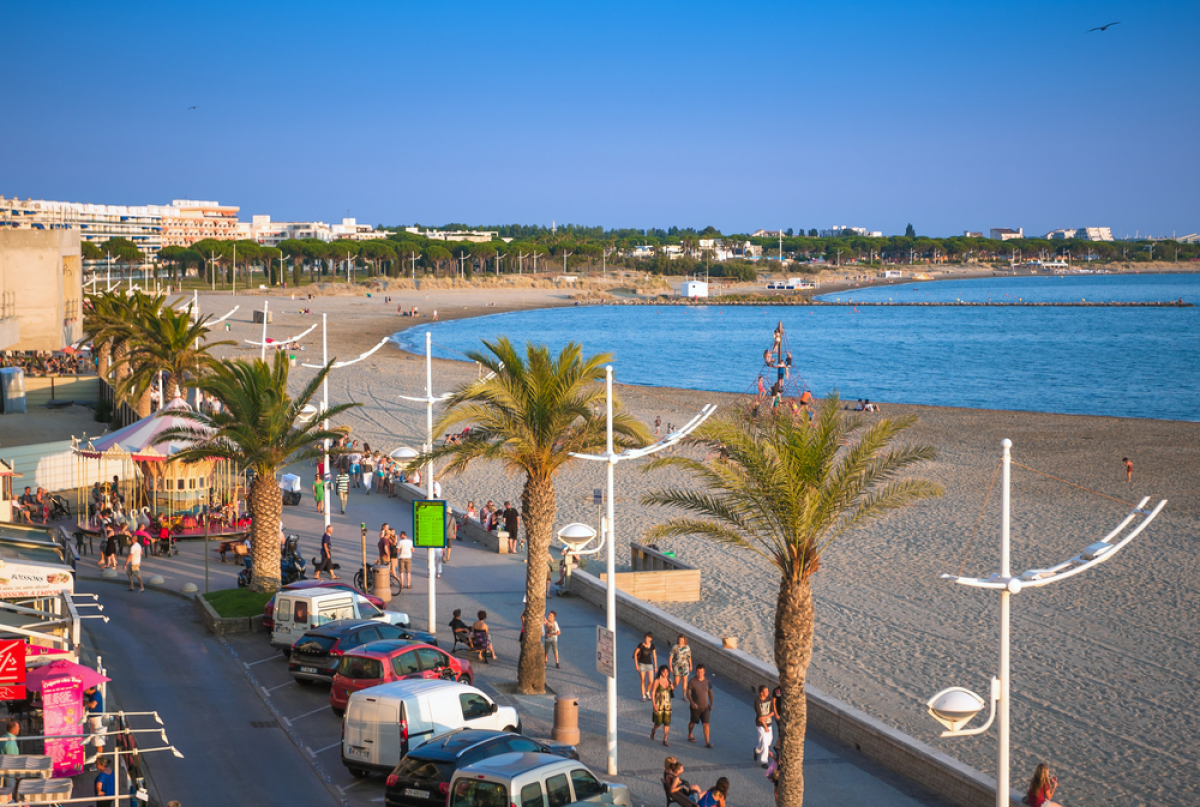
pixel 55 467
pixel 42 270
pixel 944 775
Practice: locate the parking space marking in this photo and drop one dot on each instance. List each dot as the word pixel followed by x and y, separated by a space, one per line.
pixel 249 664
pixel 313 753
pixel 277 686
pixel 306 714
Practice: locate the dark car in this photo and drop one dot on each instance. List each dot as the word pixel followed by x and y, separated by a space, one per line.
pixel 422 779
pixel 316 654
pixel 300 585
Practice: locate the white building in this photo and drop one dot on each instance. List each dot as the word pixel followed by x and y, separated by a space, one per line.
pixel 1005 234
pixel 143 225
pixel 350 229
pixel 693 288
pixel 766 234
pixel 838 229
pixel 475 236
pixel 1082 233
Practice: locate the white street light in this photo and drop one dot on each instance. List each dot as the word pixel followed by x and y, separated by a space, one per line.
pixel 429 400
pixel 955 707
pixel 611 458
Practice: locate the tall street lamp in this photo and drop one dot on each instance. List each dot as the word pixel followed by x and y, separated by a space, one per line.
pixel 611 458
pixel 955 707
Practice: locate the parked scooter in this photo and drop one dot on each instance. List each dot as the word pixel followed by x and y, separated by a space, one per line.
pixel 291 565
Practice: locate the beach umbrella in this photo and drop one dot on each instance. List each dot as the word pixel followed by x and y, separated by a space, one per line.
pixel 36 679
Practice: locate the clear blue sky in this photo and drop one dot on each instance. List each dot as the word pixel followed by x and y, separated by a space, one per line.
pixel 948 115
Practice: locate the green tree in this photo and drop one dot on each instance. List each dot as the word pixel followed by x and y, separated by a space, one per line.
pixel 122 250
pixel 90 252
pixel 909 232
pixel 785 489
pixel 168 342
pixel 437 257
pixel 531 413
pixel 261 429
pixel 376 251
pixel 344 250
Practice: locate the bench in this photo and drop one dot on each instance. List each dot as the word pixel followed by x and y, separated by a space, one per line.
pixel 658 577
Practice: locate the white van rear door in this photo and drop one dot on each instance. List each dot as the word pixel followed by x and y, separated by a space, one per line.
pixel 388 742
pixel 372 732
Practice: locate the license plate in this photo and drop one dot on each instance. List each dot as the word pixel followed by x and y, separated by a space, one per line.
pixel 361 753
pixel 312 670
pixel 416 794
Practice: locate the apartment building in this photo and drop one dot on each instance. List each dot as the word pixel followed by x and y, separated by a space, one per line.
pixel 838 229
pixel 1005 234
pixel 475 236
pixel 1082 233
pixel 186 221
pixel 271 233
pixel 141 224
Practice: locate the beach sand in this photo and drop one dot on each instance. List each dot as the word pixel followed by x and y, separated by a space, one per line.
pixel 1105 665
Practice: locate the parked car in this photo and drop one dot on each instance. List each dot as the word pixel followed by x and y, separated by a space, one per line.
pixel 422 779
pixel 384 723
pixel 531 779
pixel 303 585
pixel 316 655
pixel 385 661
pixel 299 612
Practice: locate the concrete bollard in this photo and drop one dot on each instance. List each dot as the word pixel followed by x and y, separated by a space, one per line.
pixel 381 582
pixel 189 588
pixel 156 580
pixel 109 573
pixel 566 720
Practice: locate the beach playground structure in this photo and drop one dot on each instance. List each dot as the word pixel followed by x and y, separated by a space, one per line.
pixel 193 499
pixel 787 392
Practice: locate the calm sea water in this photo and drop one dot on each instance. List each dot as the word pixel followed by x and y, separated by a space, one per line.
pixel 1133 362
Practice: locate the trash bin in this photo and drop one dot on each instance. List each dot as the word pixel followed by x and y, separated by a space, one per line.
pixel 566 720
pixel 382 583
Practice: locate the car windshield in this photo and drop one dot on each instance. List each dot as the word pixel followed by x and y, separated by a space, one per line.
pixel 425 770
pixel 315 644
pixel 478 793
pixel 358 668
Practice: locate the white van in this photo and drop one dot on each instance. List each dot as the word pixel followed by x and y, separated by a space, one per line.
pixel 297 612
pixel 383 723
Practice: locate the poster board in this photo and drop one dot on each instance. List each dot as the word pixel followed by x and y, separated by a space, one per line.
pixel 429 523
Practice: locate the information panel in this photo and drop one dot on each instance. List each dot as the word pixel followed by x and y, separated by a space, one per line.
pixel 429 523
pixel 606 651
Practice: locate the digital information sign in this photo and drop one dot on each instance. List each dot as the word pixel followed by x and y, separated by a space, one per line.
pixel 429 523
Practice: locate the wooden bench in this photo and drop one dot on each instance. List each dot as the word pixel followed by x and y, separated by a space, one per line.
pixel 658 577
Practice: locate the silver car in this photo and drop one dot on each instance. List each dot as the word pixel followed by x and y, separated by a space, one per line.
pixel 531 780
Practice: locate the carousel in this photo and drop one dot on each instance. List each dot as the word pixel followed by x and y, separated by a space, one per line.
pixel 140 476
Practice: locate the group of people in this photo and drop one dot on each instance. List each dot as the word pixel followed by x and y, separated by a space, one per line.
pixel 360 468
pixel 660 682
pixel 45 364
pixel 865 405
pixel 682 792
pixel 493 518
pixel 32 506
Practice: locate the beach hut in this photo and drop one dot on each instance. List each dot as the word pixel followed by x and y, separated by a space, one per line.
pixel 150 477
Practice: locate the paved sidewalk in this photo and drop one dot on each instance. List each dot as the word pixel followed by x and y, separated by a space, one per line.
pixel 477 578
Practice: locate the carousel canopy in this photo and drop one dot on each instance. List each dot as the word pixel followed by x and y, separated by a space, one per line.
pixel 143 440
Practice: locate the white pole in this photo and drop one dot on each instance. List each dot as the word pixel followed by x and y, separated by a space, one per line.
pixel 1002 772
pixel 263 352
pixel 610 593
pixel 429 475
pixel 325 406
pixel 234 269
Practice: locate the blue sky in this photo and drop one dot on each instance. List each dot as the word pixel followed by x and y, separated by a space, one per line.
pixel 951 116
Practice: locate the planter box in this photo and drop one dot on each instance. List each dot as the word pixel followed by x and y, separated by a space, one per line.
pixel 219 625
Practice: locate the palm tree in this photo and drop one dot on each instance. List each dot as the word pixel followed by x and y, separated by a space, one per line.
pixel 169 342
pixel 260 429
pixel 531 413
pixel 785 488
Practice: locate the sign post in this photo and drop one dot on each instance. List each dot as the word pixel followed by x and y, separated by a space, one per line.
pixel 12 670
pixel 606 651
pixel 429 523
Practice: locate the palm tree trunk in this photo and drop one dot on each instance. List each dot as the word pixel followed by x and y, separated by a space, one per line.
pixel 266 511
pixel 538 508
pixel 793 652
pixel 103 359
pixel 143 405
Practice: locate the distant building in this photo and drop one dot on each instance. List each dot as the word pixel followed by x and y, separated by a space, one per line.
pixel 271 233
pixel 41 276
pixel 143 225
pixel 1191 238
pixel 186 221
pixel 972 234
pixel 1005 234
pixel 838 229
pixel 766 234
pixel 351 230
pixel 694 288
pixel 719 250
pixel 475 236
pixel 1082 233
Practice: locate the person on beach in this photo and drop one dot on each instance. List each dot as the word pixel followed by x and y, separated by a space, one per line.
pixel 716 795
pixel 404 550
pixel 1042 787
pixel 681 664
pixel 764 710
pixel 657 425
pixel 471 511
pixel 512 521
pixel 325 561
pixel 660 704
pixel 699 693
pixel 645 659
pixel 679 791
pixel 133 565
pixel 1128 469
pixel 319 493
pixel 550 634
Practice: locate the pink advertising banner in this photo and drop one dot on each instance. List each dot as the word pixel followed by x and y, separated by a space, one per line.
pixel 62 706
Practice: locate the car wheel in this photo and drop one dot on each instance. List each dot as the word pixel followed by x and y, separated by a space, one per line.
pixel 287 652
pixel 512 729
pixel 304 682
pixel 337 711
pixel 464 679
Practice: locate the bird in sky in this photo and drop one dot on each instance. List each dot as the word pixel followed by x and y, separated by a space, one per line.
pixel 191 107
pixel 1104 27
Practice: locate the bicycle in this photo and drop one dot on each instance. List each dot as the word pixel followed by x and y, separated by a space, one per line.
pixel 359 582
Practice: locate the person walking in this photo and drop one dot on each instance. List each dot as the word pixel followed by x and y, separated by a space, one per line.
pixel 10 747
pixel 699 693
pixel 368 472
pixel 550 634
pixel 660 700
pixel 133 565
pixel 1126 460
pixel 319 493
pixel 681 665
pixel 385 547
pixel 325 561
pixel 451 535
pixel 355 459
pixel 105 782
pixel 764 710
pixel 404 551
pixel 645 659
pixel 343 488
pixel 512 520
pixel 1042 787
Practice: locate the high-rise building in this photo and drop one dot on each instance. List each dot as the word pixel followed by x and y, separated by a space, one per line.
pixel 143 225
pixel 186 221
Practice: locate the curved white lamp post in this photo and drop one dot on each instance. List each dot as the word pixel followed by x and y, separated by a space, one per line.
pixel 575 537
pixel 955 707
pixel 611 458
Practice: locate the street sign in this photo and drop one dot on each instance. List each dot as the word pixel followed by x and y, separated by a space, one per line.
pixel 606 651
pixel 429 524
pixel 12 669
pixel 597 496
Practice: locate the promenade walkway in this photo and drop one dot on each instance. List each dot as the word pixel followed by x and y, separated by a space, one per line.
pixel 475 579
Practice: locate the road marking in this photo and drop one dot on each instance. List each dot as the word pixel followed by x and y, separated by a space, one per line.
pixel 306 714
pixel 250 664
pixel 313 753
pixel 277 686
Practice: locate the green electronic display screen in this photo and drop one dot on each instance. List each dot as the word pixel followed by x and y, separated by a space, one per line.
pixel 429 523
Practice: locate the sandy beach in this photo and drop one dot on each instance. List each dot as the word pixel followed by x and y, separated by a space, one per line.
pixel 1105 665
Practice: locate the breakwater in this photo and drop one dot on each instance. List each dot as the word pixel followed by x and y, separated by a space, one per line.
pixel 805 301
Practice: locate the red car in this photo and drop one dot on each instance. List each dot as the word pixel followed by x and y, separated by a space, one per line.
pixel 299 585
pixel 390 660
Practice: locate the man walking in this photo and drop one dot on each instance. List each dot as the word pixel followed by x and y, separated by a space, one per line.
pixel 404 549
pixel 764 710
pixel 133 564
pixel 512 521
pixel 325 561
pixel 343 488
pixel 699 694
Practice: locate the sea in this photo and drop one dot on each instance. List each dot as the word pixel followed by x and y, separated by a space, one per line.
pixel 1125 362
